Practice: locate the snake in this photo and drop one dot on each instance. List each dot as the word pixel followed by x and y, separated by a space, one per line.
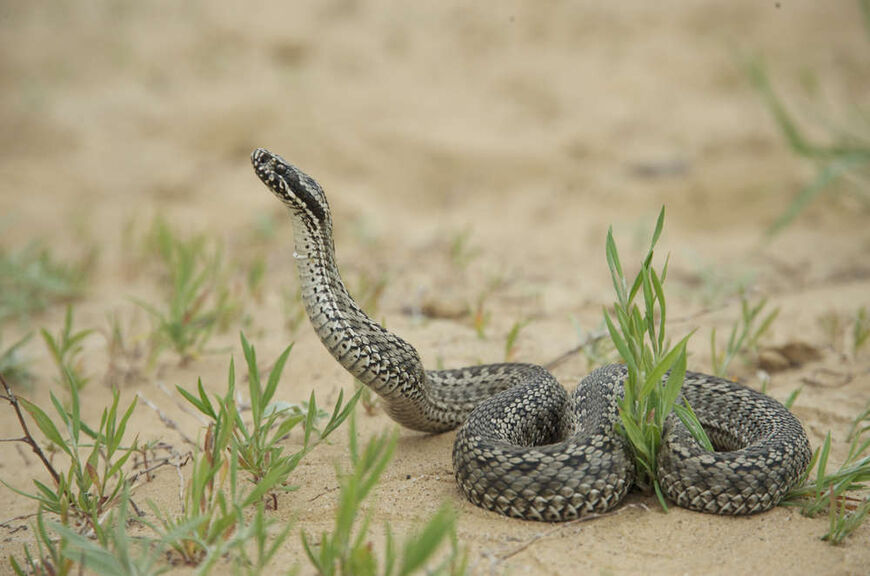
pixel 525 447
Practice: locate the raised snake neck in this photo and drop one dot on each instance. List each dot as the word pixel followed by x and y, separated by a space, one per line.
pixel 526 448
pixel 424 400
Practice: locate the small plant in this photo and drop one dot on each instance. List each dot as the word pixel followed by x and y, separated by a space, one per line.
pixel 258 446
pixel 793 396
pixel 655 372
pixel 213 502
pixel 744 335
pixel 117 552
pixel 510 342
pixel 31 279
pixel 482 316
pixel 50 558
pixel 844 158
pixel 66 348
pixel 251 534
pixel 347 551
pixel 13 366
pixel 92 483
pixel 829 492
pixel 198 299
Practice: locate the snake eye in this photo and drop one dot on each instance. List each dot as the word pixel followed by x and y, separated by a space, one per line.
pixel 280 169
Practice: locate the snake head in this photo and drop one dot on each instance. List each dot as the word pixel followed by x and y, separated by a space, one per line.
pixel 296 189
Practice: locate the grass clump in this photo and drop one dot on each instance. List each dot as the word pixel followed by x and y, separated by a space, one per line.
pixel 347 550
pixel 65 350
pixel 655 370
pixel 94 479
pixel 198 298
pixel 257 445
pixel 31 279
pixel 214 500
pixel 116 552
pixel 845 157
pixel 48 559
pixel 829 492
pixel 744 336
pixel 510 341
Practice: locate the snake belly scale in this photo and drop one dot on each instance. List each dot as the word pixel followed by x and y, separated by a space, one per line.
pixel 525 447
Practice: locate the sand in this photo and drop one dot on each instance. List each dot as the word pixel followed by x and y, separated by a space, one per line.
pixel 525 129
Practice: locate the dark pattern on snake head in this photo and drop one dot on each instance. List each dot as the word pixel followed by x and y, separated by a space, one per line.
pixel 525 447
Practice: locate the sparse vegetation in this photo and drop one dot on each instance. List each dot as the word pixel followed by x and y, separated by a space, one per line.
pixel 655 370
pixel 745 334
pixel 833 492
pixel 198 298
pixel 845 157
pixel 117 552
pixel 510 341
pixel 257 447
pixel 482 316
pixel 32 278
pixel 346 550
pixel 95 476
pixel 66 349
pixel 48 559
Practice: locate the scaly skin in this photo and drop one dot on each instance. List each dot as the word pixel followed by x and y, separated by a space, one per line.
pixel 525 447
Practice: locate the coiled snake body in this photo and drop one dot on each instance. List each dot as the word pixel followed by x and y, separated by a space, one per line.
pixel 525 447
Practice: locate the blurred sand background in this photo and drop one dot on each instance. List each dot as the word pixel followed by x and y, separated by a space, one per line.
pixel 523 128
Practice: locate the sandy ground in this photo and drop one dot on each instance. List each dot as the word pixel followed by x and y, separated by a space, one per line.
pixel 526 128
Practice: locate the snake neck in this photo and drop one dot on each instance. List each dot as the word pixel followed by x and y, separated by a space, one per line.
pixel 379 359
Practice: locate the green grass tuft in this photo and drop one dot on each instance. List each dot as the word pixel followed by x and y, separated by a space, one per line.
pixel 846 157
pixel 65 350
pixel 258 446
pixel 32 279
pixel 831 492
pixel 95 476
pixel 198 299
pixel 744 337
pixel 347 551
pixel 655 370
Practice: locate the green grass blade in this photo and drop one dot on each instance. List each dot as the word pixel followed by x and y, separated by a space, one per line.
pixel 275 376
pixel 419 549
pixel 45 425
